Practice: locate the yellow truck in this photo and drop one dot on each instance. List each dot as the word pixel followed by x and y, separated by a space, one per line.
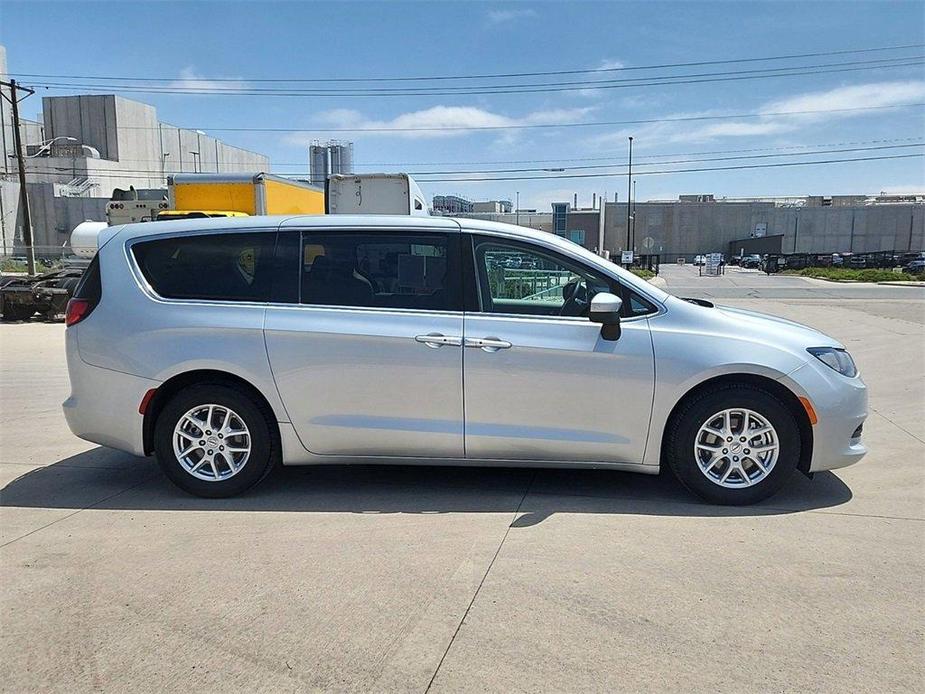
pixel 199 195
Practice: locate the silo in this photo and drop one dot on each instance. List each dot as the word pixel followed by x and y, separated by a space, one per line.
pixel 318 163
pixel 341 157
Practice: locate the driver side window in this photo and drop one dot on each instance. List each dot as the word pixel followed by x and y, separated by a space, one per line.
pixel 521 279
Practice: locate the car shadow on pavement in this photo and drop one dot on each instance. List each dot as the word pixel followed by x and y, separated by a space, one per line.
pixel 102 478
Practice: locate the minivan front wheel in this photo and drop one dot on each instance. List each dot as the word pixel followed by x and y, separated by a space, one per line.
pixel 213 441
pixel 734 444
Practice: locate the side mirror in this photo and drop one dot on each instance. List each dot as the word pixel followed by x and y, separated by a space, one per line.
pixel 605 309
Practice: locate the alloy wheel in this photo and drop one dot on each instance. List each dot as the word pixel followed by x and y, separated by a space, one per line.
pixel 211 442
pixel 736 448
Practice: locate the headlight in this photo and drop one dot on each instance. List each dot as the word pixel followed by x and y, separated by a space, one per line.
pixel 834 358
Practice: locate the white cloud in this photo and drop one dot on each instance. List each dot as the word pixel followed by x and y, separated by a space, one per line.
pixel 461 118
pixel 503 16
pixel 790 114
pixel 190 81
pixel 608 64
pixel 605 65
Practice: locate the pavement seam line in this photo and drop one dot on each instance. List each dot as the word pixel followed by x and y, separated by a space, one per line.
pixel 898 426
pixel 481 583
pixel 85 508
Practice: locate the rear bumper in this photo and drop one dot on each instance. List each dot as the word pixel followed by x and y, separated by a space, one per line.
pixel 841 406
pixel 103 404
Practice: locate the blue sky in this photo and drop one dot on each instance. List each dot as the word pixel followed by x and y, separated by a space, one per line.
pixel 189 44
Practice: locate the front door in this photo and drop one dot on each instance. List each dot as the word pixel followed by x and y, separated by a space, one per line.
pixel 367 359
pixel 540 381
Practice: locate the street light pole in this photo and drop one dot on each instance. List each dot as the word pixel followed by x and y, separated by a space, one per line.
pixel 629 196
pixel 634 215
pixel 517 209
pixel 23 194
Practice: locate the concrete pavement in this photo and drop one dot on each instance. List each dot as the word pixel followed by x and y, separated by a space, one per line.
pixel 455 579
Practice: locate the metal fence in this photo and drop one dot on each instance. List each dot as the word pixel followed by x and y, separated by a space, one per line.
pixel 879 260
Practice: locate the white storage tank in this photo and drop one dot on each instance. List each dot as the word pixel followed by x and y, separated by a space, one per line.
pixel 85 238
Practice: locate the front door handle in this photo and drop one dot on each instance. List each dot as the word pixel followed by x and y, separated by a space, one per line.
pixel 436 340
pixel 488 344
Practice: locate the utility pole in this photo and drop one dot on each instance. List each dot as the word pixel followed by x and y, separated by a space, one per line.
pixel 517 210
pixel 23 195
pixel 629 197
pixel 634 216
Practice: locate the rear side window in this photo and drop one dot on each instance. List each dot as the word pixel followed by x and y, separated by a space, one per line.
pixel 90 286
pixel 222 267
pixel 381 270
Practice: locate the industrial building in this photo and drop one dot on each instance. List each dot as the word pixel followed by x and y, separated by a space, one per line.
pixel 800 226
pixel 699 224
pixel 329 158
pixel 454 205
pixel 86 146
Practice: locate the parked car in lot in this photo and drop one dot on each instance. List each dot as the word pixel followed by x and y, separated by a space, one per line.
pixel 227 346
pixel 916 267
pixel 751 261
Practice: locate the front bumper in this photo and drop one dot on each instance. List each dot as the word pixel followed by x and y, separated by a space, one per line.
pixel 841 408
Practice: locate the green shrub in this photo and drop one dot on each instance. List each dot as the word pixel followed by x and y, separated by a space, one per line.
pixel 643 273
pixel 851 274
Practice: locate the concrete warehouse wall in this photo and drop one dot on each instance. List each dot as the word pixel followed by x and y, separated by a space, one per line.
pixel 692 228
pixel 59 216
pixel 178 144
pixel 135 150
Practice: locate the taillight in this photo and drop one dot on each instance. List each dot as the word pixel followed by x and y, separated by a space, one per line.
pixel 76 311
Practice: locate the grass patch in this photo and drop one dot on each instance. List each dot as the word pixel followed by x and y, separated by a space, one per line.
pixel 9 265
pixel 853 274
pixel 643 273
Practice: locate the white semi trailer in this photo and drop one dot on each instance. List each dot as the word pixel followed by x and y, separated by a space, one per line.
pixel 374 193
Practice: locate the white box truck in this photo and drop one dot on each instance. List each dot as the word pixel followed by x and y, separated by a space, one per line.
pixel 374 193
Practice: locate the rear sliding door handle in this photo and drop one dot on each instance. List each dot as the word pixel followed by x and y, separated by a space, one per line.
pixel 435 340
pixel 488 344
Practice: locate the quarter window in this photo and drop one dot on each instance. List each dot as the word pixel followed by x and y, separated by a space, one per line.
pixel 223 267
pixel 380 270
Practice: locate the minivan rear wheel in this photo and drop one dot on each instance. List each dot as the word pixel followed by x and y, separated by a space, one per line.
pixel 214 441
pixel 733 444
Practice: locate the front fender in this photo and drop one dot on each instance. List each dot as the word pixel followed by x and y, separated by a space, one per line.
pixel 685 360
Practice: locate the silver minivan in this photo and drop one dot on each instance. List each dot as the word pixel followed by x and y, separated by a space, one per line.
pixel 227 346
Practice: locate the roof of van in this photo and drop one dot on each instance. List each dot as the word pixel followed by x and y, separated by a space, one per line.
pixel 219 225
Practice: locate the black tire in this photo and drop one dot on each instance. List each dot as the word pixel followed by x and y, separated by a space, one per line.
pixel 13 312
pixel 684 426
pixel 263 456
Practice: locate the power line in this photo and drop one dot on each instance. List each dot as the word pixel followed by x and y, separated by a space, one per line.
pixel 127 173
pixel 530 126
pixel 190 88
pixel 675 171
pixel 398 165
pixel 657 163
pixel 657 81
pixel 547 73
pixel 637 156
pixel 676 161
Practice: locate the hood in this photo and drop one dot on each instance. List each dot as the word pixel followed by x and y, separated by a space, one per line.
pixel 778 327
pixel 754 326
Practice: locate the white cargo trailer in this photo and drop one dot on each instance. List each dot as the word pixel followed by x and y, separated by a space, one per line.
pixel 374 193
